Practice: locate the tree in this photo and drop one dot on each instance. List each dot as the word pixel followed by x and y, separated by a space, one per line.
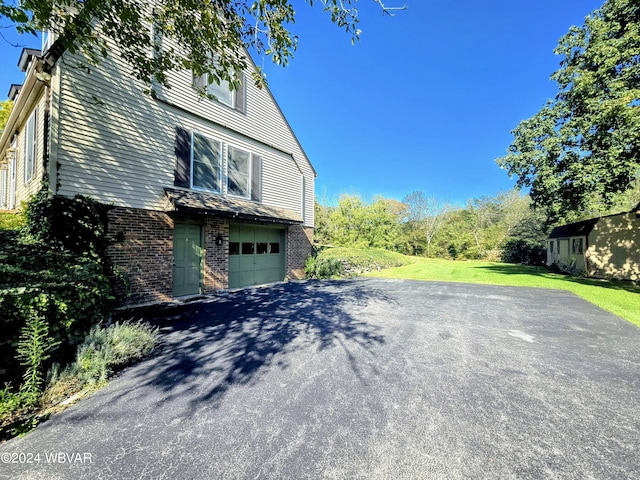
pixel 425 216
pixel 5 111
pixel 582 149
pixel 211 33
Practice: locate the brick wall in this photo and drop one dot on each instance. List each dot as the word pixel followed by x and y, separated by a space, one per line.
pixel 143 251
pixel 216 258
pixel 299 241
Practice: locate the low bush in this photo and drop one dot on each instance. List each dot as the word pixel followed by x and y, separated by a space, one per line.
pixel 104 351
pixel 349 262
pixel 11 220
pixel 524 252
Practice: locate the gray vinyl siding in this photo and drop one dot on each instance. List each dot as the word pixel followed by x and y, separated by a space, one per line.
pixel 116 144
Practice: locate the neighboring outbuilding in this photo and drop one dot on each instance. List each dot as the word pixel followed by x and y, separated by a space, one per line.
pixel 209 194
pixel 604 247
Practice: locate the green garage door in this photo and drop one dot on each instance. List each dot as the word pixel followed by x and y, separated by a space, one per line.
pixel 256 255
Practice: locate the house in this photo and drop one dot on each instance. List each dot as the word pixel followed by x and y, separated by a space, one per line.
pixel 604 247
pixel 208 194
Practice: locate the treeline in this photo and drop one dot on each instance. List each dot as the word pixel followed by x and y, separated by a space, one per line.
pixel 427 226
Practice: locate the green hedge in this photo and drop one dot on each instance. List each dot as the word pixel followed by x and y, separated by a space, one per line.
pixel 331 262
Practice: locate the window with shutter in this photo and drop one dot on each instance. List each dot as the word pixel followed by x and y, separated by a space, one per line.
pixel 220 90
pixel 238 172
pixel 199 165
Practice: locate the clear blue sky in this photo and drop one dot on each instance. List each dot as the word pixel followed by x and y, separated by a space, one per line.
pixel 425 101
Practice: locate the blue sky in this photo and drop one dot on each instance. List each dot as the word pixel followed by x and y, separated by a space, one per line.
pixel 425 101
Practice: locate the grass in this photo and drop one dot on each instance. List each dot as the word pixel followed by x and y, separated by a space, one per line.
pixel 620 298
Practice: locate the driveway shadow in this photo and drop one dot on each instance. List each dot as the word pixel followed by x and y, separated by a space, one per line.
pixel 208 346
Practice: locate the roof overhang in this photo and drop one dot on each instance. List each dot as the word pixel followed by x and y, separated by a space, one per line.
pixel 27 56
pixel 23 104
pixel 578 229
pixel 14 90
pixel 204 203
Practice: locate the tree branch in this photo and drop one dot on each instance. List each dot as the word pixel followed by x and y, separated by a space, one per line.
pixel 387 10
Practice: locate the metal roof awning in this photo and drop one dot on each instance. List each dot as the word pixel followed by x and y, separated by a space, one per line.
pixel 211 204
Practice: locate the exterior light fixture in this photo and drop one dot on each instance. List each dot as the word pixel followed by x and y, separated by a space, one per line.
pixel 219 240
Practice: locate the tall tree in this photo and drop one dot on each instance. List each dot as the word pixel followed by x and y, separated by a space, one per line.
pixel 425 216
pixel 211 33
pixel 582 149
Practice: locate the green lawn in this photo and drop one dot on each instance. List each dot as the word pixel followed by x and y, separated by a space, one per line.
pixel 620 298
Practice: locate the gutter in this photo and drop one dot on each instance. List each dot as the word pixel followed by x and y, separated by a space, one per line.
pixel 35 80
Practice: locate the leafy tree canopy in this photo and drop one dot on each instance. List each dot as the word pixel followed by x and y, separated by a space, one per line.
pixel 5 111
pixel 582 149
pixel 211 33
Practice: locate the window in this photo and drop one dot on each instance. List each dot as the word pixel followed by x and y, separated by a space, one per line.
pixel 234 248
pixel 30 145
pixel 238 172
pixel 200 165
pixel 274 247
pixel 576 246
pixel 220 90
pixel 4 182
pixel 207 163
pixel 551 246
pixel 247 248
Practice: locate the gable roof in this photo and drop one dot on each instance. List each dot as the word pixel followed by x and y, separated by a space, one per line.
pixel 577 229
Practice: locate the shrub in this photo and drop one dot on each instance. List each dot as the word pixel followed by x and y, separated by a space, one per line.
pixel 11 221
pixel 525 252
pixel 350 262
pixel 34 348
pixel 55 268
pixel 106 350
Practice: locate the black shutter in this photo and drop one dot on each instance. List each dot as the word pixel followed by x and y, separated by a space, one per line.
pixel 256 179
pixel 239 96
pixel 182 171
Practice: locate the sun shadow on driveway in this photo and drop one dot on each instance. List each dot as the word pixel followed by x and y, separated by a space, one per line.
pixel 207 347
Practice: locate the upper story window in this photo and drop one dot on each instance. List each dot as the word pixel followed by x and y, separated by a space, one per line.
pixel 232 98
pixel 201 164
pixel 238 172
pixel 30 144
pixel 551 246
pixel 206 155
pixel 222 92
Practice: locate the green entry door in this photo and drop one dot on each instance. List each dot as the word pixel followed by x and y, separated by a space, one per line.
pixel 187 259
pixel 256 255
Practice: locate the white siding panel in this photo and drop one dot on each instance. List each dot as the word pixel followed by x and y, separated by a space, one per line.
pixel 116 144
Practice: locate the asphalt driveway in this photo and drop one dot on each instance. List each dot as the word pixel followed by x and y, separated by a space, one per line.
pixel 362 378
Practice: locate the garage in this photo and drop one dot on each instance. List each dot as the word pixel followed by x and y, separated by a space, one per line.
pixel 256 255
